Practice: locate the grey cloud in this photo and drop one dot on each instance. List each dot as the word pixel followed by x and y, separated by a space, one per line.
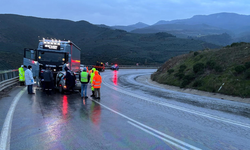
pixel 122 12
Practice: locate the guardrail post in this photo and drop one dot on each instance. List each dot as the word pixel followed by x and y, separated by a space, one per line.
pixel 5 76
pixel 1 77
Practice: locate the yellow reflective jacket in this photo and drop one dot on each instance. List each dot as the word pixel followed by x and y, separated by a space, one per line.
pixel 21 74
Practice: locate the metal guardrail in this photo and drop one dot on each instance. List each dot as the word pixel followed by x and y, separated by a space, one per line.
pixel 8 78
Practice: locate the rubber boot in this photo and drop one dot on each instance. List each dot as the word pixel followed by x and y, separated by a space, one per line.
pixel 93 94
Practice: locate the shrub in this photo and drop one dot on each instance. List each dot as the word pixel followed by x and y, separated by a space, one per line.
pixel 189 77
pixel 218 68
pixel 196 53
pixel 179 75
pixel 234 44
pixel 210 64
pixel 247 74
pixel 239 69
pixel 237 44
pixel 184 83
pixel 182 68
pixel 247 65
pixel 199 67
pixel 170 71
pixel 197 83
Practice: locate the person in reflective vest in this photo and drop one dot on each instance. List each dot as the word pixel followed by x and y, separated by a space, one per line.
pixel 21 75
pixel 84 78
pixel 92 74
pixel 97 80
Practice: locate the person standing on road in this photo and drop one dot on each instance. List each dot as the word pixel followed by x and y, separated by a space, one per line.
pixel 29 80
pixel 84 78
pixel 92 74
pixel 21 75
pixel 65 65
pixel 97 80
pixel 48 80
pixel 70 80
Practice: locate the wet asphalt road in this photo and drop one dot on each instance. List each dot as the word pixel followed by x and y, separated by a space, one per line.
pixel 131 114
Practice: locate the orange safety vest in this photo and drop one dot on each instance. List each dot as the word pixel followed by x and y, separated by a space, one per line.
pixel 97 80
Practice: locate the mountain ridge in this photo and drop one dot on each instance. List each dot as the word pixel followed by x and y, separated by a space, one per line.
pixel 97 43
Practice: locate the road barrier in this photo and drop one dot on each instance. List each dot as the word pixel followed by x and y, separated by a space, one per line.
pixel 8 78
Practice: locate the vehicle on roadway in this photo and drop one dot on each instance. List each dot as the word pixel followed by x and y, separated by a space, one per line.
pixel 99 66
pixel 114 67
pixel 54 54
pixel 61 82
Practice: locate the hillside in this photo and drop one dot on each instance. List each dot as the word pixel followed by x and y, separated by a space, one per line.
pixel 208 70
pixel 218 39
pixel 97 43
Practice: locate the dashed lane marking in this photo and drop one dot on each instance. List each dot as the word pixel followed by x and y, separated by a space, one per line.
pixel 171 140
pixel 6 130
pixel 155 135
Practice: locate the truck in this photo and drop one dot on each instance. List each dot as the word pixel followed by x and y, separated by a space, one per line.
pixel 53 53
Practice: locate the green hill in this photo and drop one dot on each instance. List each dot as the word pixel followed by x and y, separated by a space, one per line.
pixel 208 70
pixel 97 43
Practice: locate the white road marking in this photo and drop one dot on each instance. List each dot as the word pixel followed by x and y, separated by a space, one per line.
pixel 181 108
pixel 155 135
pixel 147 127
pixel 6 130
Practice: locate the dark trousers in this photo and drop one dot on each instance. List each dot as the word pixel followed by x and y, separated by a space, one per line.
pixel 84 88
pixel 30 90
pixel 21 83
pixel 48 87
pixel 70 89
pixel 97 92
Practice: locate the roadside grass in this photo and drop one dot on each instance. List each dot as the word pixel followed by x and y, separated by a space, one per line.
pixel 208 70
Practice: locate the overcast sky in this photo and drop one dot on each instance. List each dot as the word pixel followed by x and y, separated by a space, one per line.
pixel 122 12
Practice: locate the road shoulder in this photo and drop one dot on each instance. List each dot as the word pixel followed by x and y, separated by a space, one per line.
pixel 197 92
